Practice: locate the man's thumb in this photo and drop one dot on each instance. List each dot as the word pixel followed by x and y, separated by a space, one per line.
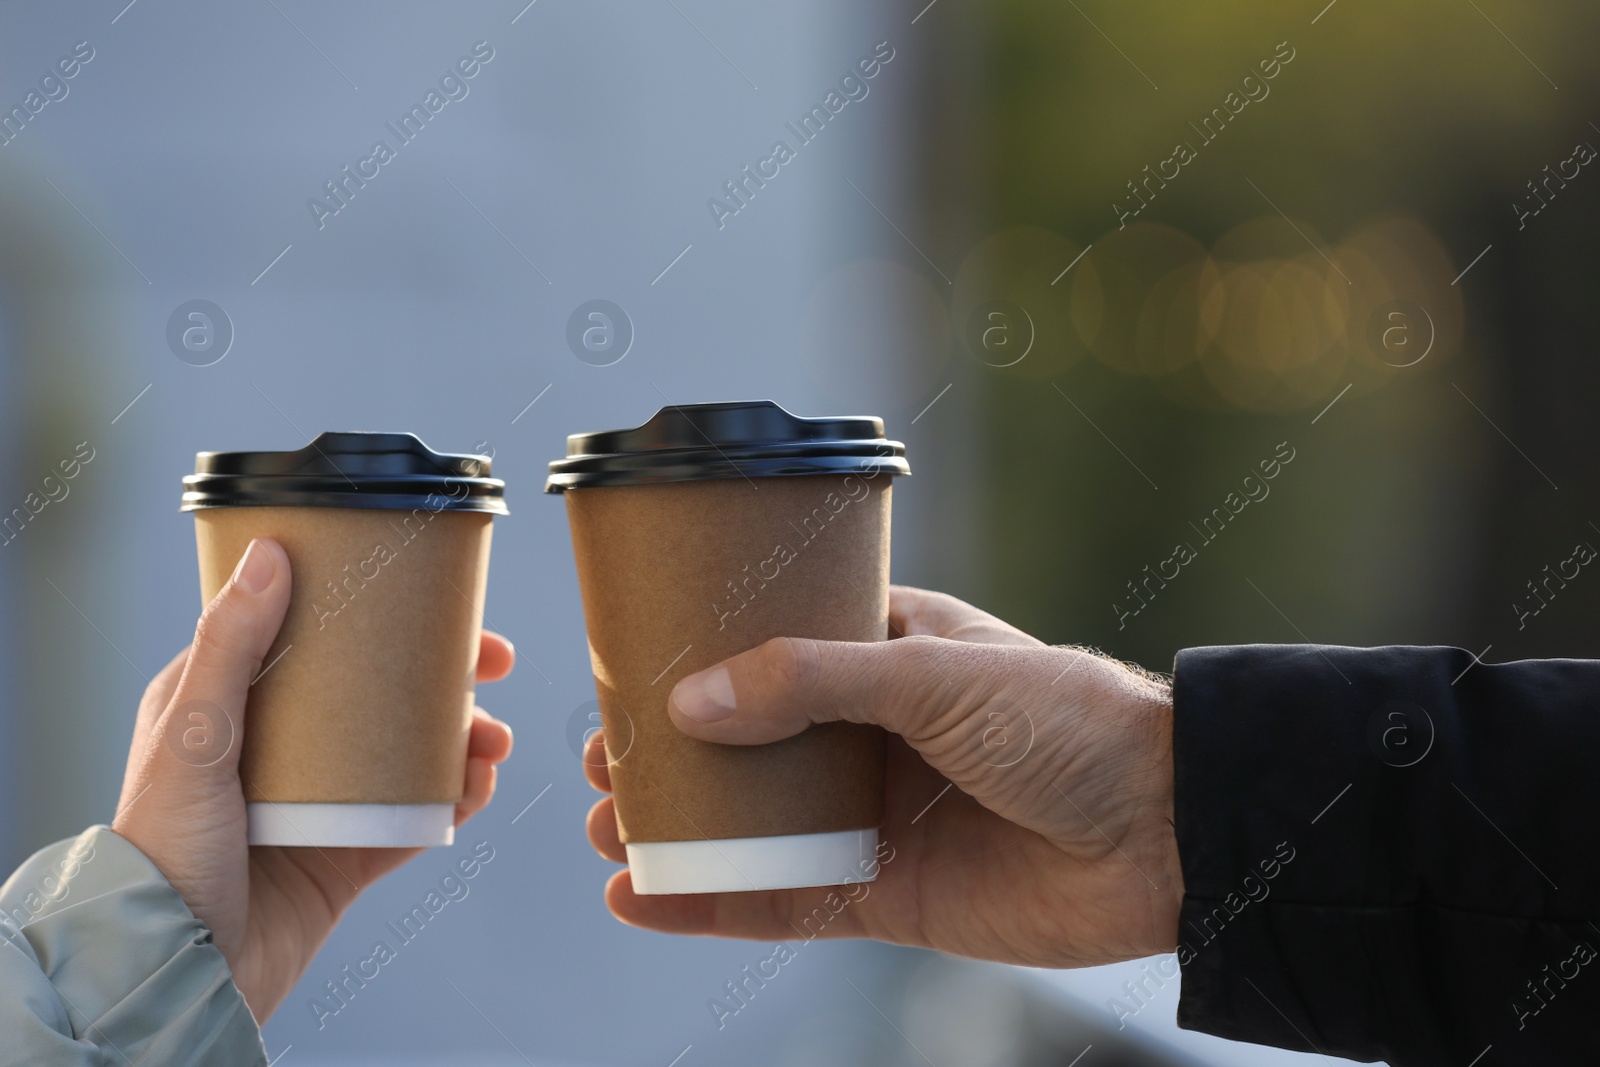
pixel 203 725
pixel 913 686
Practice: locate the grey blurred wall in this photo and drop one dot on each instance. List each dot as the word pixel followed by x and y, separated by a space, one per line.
pixel 578 166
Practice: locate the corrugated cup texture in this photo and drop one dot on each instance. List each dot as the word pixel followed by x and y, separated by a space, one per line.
pixel 371 699
pixel 678 576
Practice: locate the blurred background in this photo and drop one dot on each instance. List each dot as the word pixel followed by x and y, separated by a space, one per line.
pixel 1093 262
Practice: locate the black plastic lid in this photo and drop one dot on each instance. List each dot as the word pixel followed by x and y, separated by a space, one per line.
pixel 394 471
pixel 745 439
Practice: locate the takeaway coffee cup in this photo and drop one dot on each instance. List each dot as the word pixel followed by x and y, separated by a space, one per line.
pixel 357 727
pixel 704 532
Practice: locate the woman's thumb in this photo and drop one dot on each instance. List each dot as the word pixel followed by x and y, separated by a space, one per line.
pixel 204 722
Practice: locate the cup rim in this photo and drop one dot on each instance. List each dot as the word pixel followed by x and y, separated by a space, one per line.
pixel 735 439
pixel 347 469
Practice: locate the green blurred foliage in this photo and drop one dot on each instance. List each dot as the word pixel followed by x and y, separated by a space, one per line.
pixel 1397 139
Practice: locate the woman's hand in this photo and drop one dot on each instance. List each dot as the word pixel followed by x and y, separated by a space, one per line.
pixel 269 908
pixel 1055 846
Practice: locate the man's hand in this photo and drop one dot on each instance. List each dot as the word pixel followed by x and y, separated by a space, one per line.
pixel 1055 846
pixel 269 908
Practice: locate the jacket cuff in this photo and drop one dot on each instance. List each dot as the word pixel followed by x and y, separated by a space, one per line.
pixel 1371 843
pixel 136 972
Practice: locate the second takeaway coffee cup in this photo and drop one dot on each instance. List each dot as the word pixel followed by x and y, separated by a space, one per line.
pixel 357 726
pixel 704 532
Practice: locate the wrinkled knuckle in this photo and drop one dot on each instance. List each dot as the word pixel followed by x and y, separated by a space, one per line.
pixel 215 630
pixel 206 631
pixel 906 659
pixel 789 664
pixel 918 648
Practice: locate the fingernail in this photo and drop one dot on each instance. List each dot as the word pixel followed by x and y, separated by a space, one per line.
pixel 707 696
pixel 256 569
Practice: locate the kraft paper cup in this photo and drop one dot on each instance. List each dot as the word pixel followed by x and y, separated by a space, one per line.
pixel 702 533
pixel 356 730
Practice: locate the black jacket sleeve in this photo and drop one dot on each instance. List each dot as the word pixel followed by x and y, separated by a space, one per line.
pixel 1390 853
